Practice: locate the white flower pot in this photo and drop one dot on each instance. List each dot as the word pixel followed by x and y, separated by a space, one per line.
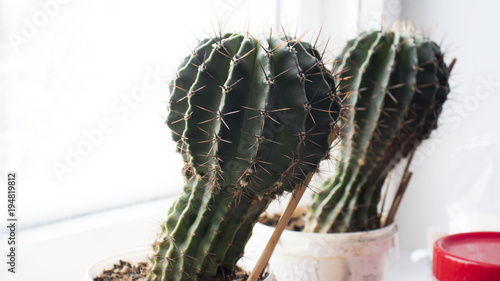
pixel 356 256
pixel 133 256
pixel 142 254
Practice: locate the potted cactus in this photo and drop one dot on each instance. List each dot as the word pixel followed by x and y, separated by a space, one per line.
pixel 397 83
pixel 252 118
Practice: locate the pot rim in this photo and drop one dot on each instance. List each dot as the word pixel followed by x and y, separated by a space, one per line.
pixel 356 237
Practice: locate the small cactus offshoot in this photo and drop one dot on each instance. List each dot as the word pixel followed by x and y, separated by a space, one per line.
pixel 397 83
pixel 252 118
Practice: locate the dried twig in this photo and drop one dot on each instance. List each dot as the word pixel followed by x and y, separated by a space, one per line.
pixel 405 180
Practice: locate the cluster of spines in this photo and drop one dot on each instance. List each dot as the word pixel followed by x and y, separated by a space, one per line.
pixel 252 118
pixel 398 84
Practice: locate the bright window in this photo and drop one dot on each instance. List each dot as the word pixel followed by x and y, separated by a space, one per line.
pixel 84 89
pixel 85 84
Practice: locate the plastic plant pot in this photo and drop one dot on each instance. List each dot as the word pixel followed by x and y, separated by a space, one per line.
pixel 471 256
pixel 141 255
pixel 355 256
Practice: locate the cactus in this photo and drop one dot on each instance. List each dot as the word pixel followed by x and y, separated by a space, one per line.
pixel 398 83
pixel 252 118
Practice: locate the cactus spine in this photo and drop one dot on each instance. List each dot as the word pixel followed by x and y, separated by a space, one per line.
pixel 398 84
pixel 251 118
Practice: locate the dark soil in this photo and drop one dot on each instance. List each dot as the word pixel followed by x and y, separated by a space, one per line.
pixel 238 275
pixel 124 271
pixel 297 222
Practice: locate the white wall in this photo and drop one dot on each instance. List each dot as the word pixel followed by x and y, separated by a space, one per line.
pixel 334 20
pixel 443 174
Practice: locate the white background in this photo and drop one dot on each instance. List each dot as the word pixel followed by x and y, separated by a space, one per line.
pixel 70 71
pixel 447 173
pixel 67 68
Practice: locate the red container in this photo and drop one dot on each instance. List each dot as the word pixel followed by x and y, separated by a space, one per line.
pixel 467 256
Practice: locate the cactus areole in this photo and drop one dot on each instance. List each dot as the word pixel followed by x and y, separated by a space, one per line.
pixel 398 83
pixel 251 117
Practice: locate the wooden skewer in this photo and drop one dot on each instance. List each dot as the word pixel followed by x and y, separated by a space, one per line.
pixel 283 222
pixel 285 218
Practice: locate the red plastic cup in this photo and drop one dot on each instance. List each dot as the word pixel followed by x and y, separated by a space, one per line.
pixel 471 256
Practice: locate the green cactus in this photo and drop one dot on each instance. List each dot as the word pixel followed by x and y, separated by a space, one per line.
pixel 252 118
pixel 398 84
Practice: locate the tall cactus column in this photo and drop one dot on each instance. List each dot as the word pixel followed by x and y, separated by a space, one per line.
pixel 398 85
pixel 251 118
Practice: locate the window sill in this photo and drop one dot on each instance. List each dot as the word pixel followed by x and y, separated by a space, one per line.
pixel 63 251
